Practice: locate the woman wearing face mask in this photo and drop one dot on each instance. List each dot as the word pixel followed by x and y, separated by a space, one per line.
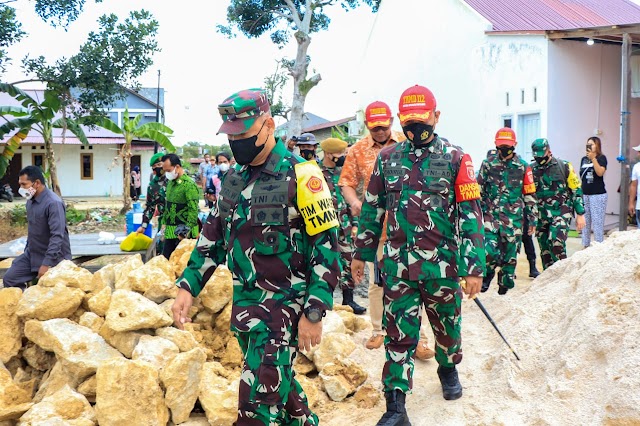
pixel 136 184
pixel 156 193
pixel 592 168
pixel 335 151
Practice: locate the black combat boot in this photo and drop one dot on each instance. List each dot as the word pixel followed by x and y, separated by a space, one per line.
pixel 451 387
pixel 396 414
pixel 533 271
pixel 486 281
pixel 347 300
pixel 502 290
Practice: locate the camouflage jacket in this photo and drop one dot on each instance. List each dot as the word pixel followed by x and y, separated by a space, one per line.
pixel 257 229
pixel 434 219
pixel 156 194
pixel 507 192
pixel 346 219
pixel 557 189
pixel 182 206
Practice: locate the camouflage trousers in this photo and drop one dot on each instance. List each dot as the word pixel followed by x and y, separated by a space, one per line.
pixel 502 252
pixel 442 300
pixel 552 239
pixel 269 393
pixel 346 255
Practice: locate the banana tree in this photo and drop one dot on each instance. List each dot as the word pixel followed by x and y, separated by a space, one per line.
pixel 39 117
pixel 131 129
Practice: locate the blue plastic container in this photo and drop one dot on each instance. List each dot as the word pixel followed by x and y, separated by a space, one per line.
pixel 134 220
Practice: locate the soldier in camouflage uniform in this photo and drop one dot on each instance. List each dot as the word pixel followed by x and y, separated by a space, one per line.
pixel 275 227
pixel 559 196
pixel 506 189
pixel 334 154
pixel 156 193
pixel 428 189
pixel 182 203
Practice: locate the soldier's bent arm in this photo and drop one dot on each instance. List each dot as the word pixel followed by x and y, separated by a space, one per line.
pixel 205 257
pixel 574 183
pixel 372 216
pixel 193 207
pixel 150 205
pixel 470 222
pixel 529 196
pixel 324 269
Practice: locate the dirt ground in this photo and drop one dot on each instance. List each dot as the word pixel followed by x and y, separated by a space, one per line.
pixel 481 345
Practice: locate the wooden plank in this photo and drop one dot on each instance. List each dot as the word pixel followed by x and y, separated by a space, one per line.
pixel 81 245
pixel 595 32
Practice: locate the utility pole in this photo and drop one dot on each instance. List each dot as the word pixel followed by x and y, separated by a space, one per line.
pixel 155 144
pixel 624 132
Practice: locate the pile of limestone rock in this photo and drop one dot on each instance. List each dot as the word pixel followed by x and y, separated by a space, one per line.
pixel 85 349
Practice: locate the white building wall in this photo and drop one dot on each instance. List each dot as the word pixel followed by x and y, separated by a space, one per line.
pixel 584 99
pixel 107 175
pixel 515 66
pixel 468 71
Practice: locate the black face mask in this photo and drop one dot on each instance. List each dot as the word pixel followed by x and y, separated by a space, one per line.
pixel 308 154
pixel 245 150
pixel 339 161
pixel 505 151
pixel 421 132
pixel 542 160
pixel 158 171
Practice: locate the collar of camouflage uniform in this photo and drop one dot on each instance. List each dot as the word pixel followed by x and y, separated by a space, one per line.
pixel 435 145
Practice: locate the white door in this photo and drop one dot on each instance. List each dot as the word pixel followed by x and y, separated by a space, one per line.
pixel 528 131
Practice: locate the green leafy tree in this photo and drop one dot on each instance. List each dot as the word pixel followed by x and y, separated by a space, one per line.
pixel 10 33
pixel 55 12
pixel 132 129
pixel 110 60
pixel 39 117
pixel 273 85
pixel 87 84
pixel 282 19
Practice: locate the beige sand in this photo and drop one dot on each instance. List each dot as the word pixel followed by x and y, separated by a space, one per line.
pixel 576 331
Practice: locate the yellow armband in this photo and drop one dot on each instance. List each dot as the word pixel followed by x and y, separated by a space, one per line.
pixel 314 199
pixel 573 180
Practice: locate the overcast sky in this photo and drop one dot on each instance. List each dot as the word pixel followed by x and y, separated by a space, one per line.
pixel 199 67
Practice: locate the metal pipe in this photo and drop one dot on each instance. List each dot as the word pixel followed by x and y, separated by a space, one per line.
pixel 625 149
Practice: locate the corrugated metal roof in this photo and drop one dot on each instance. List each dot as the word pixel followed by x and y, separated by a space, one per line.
pixel 547 15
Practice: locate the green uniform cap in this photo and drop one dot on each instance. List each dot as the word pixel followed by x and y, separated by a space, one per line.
pixel 539 147
pixel 156 157
pixel 240 110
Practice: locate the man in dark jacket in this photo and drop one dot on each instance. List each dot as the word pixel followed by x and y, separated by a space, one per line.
pixel 47 234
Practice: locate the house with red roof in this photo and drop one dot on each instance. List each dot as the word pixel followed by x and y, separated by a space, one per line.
pixel 546 68
pixel 94 170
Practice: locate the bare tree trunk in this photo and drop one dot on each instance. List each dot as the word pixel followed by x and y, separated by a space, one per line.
pixel 126 161
pixel 301 85
pixel 49 153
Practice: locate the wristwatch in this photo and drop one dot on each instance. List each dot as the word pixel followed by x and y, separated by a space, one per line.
pixel 314 315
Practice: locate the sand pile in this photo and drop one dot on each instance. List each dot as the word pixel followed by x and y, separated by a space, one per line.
pixel 85 349
pixel 576 329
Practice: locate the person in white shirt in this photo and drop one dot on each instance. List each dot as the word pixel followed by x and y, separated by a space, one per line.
pixel 634 205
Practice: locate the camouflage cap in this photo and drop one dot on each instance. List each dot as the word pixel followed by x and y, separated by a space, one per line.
pixel 240 110
pixel 306 139
pixel 156 158
pixel 539 147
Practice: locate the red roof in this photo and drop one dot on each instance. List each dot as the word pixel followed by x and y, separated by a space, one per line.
pixel 328 124
pixel 547 15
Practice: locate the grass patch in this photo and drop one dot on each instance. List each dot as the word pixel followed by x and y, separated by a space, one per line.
pixel 75 216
